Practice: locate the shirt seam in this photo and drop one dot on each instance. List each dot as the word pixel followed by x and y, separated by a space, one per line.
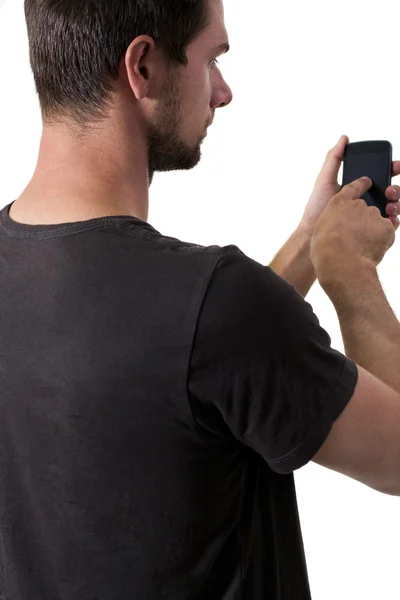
pixel 192 344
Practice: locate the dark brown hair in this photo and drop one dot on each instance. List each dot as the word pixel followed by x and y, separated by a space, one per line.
pixel 75 47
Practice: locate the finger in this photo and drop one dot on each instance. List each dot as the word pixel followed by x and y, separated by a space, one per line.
pixel 393 193
pixel 330 170
pixel 395 222
pixel 356 189
pixel 393 209
pixel 396 168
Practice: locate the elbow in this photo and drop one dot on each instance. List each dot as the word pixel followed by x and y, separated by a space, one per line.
pixel 391 489
pixel 390 492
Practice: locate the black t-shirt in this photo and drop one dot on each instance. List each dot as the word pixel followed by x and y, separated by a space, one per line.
pixel 156 397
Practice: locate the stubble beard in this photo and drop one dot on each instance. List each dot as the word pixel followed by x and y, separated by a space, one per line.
pixel 167 151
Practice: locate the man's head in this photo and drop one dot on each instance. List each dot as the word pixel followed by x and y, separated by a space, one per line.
pixel 153 59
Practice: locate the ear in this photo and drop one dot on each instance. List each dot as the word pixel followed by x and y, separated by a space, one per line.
pixel 140 65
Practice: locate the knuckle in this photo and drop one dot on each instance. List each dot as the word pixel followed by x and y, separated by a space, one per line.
pixel 389 227
pixel 336 200
pixel 375 212
pixel 389 233
pixel 360 204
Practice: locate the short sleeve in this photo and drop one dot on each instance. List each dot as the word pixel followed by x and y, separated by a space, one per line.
pixel 261 361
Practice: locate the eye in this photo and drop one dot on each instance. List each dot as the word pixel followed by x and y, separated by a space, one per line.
pixel 214 62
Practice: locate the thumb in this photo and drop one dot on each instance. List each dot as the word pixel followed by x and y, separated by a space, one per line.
pixel 330 170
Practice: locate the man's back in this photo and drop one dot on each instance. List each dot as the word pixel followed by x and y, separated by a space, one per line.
pixel 145 453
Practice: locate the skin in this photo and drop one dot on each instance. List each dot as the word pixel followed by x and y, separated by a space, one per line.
pixel 157 121
pixel 327 186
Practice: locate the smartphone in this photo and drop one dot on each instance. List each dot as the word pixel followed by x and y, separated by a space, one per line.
pixel 373 160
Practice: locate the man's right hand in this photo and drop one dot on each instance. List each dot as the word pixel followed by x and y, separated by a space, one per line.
pixel 349 233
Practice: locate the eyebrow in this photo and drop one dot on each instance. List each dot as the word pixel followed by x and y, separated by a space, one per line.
pixel 223 48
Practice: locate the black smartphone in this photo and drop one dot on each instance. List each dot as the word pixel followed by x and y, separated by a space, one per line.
pixel 373 160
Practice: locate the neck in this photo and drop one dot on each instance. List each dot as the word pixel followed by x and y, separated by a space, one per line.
pixel 103 174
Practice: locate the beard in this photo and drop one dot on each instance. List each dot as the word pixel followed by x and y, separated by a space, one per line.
pixel 167 152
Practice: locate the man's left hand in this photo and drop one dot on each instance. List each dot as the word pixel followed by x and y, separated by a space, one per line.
pixel 327 186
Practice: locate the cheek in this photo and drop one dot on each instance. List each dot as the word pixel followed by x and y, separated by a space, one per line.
pixel 197 99
pixel 201 82
pixel 201 93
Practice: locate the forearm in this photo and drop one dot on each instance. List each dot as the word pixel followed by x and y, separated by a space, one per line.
pixel 370 329
pixel 293 262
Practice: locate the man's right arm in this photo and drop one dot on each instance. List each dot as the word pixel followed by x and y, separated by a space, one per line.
pixel 370 329
pixel 365 440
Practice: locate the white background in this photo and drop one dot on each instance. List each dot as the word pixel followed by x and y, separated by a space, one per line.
pixel 302 74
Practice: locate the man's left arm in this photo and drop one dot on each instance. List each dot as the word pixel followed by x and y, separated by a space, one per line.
pixel 293 262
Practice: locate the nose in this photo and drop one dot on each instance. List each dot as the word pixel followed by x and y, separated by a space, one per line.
pixel 222 95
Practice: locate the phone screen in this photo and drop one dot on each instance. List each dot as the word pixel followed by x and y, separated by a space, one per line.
pixel 373 160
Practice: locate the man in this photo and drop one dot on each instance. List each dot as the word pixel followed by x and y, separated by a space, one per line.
pixel 156 395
